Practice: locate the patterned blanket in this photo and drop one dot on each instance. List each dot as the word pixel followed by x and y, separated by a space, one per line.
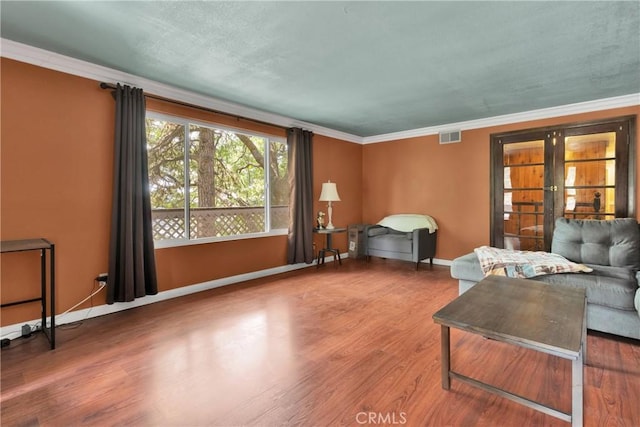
pixel 523 264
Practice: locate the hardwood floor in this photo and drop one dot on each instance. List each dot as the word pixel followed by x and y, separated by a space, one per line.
pixel 353 345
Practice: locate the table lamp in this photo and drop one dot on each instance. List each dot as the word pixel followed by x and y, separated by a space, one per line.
pixel 329 194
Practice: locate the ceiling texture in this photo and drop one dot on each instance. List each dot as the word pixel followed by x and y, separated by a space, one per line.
pixel 364 68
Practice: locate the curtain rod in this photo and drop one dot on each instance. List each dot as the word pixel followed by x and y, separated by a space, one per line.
pixel 104 85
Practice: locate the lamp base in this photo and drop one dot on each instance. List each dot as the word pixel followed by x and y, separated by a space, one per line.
pixel 330 212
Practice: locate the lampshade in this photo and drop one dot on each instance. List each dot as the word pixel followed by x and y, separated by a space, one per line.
pixel 329 192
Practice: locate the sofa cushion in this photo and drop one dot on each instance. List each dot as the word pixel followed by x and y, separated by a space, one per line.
pixel 601 290
pixel 625 273
pixel 615 243
pixel 607 286
pixel 392 243
pixel 409 222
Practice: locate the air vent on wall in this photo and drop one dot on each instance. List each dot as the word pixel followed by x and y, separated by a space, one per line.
pixel 450 137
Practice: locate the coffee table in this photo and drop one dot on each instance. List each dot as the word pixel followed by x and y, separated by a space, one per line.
pixel 528 314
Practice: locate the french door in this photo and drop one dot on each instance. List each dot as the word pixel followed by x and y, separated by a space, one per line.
pixel 584 171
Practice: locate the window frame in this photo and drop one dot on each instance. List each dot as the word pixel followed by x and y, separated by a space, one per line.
pixel 187 241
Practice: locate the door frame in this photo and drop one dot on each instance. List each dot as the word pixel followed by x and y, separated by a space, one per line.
pixel 625 128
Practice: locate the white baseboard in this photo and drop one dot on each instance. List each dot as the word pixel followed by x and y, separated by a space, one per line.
pixel 438 261
pixel 101 310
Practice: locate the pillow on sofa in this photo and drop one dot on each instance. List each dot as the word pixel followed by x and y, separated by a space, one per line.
pixel 409 222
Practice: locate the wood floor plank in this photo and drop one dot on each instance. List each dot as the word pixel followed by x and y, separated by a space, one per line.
pixel 328 346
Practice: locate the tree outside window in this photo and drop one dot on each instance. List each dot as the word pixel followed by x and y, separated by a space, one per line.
pixel 237 182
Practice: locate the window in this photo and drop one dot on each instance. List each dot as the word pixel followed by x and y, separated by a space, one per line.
pixel 210 182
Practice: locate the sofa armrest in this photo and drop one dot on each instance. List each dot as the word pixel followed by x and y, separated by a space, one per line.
pixel 365 236
pixel 424 244
pixel 636 301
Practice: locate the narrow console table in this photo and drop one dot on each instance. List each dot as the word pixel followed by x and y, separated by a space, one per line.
pixel 41 245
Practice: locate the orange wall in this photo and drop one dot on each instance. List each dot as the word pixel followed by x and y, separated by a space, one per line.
pixel 449 182
pixel 339 162
pixel 56 162
pixel 55 176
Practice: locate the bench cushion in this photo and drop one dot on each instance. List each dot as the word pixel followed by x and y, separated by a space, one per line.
pixel 393 242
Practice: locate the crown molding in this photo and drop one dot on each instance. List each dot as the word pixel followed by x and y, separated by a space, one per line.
pixel 544 113
pixel 54 61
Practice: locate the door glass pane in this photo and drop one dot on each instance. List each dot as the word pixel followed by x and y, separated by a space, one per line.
pixel 525 224
pixel 592 146
pixel 527 152
pixel 591 203
pixel 523 195
pixel 521 243
pixel 590 172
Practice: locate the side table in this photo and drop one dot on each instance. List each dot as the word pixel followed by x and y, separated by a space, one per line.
pixel 329 232
pixel 41 245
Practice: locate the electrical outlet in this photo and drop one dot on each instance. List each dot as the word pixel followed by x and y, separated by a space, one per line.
pixel 102 277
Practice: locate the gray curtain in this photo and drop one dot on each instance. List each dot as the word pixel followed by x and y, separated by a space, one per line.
pixel 300 149
pixel 132 266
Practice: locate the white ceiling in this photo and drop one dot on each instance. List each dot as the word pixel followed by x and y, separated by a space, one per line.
pixel 364 68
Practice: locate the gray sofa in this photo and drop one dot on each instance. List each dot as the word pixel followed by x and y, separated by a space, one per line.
pixel 611 249
pixel 407 237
